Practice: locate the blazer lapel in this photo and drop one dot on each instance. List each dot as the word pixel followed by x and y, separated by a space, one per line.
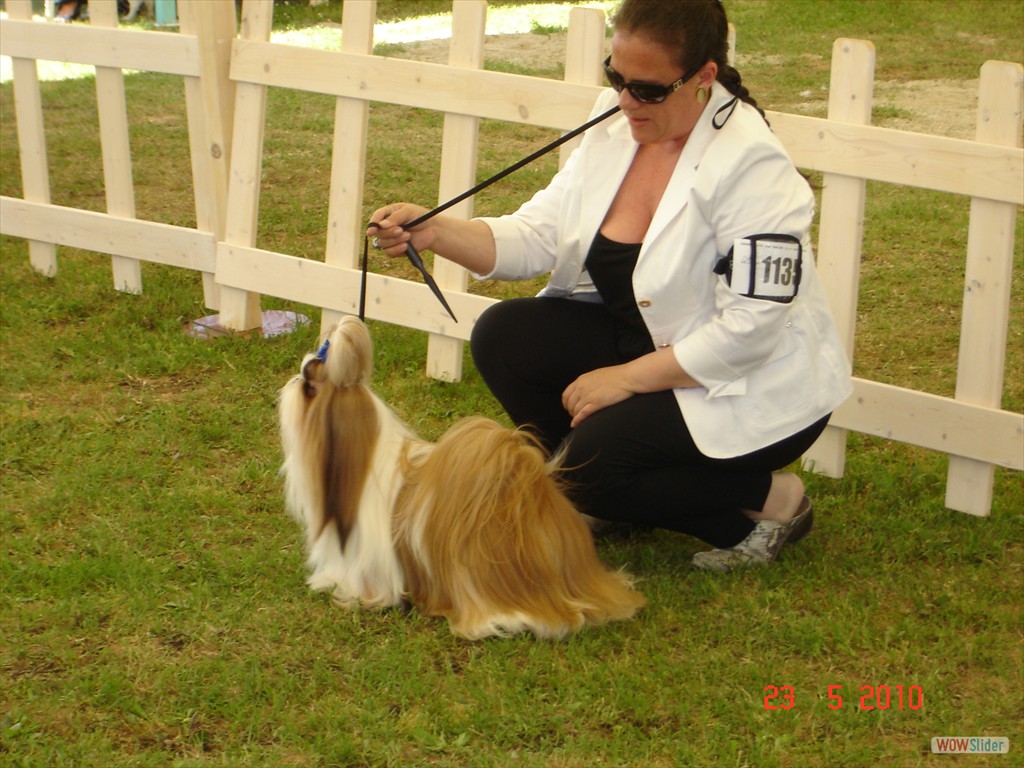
pixel 606 165
pixel 677 193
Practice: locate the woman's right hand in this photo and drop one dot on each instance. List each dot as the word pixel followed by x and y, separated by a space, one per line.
pixel 467 243
pixel 390 235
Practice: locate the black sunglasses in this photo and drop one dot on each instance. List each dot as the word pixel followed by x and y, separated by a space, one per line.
pixel 646 93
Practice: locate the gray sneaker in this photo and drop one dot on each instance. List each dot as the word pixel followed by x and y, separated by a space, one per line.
pixel 763 544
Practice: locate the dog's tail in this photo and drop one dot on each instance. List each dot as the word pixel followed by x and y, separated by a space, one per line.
pixel 500 548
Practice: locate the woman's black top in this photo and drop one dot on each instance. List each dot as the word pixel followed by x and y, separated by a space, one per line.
pixel 610 265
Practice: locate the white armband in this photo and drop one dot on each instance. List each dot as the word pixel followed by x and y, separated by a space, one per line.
pixel 766 266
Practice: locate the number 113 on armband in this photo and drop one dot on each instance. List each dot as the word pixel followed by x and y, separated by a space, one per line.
pixel 778 270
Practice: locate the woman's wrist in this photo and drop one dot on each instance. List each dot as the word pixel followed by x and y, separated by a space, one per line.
pixel 656 372
pixel 468 243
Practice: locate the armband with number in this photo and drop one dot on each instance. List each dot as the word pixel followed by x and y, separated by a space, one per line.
pixel 766 266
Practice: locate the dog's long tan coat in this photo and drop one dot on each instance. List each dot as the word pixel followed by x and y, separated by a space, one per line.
pixel 474 528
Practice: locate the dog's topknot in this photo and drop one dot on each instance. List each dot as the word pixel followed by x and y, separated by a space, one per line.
pixel 350 356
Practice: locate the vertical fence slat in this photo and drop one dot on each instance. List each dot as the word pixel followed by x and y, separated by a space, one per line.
pixel 115 147
pixel 210 104
pixel 240 309
pixel 348 166
pixel 986 307
pixel 28 111
pixel 458 173
pixel 841 232
pixel 584 52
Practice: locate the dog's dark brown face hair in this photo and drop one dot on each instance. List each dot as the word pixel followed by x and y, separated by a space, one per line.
pixel 312 369
pixel 340 424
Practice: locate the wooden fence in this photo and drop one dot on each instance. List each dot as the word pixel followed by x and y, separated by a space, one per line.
pixel 227 71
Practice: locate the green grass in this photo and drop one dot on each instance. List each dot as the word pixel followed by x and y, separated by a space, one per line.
pixel 152 604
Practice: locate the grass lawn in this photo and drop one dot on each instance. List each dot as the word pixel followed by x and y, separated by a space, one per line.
pixel 152 605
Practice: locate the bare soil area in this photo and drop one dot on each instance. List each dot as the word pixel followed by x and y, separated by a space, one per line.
pixel 940 107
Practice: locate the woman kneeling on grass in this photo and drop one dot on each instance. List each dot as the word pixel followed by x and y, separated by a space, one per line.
pixel 683 351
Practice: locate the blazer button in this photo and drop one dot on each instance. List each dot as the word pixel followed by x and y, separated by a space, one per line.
pixel 644 303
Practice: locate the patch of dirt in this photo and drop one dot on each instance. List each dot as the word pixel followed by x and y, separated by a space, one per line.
pixel 539 50
pixel 939 107
pixel 942 107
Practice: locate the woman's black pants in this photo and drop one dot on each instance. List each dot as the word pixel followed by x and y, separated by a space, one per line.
pixel 632 462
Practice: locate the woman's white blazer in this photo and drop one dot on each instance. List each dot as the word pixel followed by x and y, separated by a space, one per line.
pixel 768 368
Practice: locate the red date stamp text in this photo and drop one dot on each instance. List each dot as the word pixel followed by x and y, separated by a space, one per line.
pixel 864 699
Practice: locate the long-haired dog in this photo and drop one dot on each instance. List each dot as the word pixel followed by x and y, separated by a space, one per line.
pixel 475 528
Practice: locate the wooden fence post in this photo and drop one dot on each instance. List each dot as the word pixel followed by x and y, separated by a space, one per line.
pixel 28 110
pixel 459 147
pixel 210 105
pixel 115 148
pixel 990 243
pixel 584 51
pixel 345 225
pixel 841 231
pixel 240 309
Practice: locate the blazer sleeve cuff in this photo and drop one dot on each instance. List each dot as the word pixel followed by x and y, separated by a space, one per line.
pixel 508 264
pixel 700 361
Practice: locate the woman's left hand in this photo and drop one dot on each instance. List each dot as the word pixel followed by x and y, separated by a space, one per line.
pixel 653 372
pixel 595 390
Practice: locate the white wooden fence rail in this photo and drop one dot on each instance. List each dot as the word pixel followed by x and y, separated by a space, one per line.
pixel 201 55
pixel 227 73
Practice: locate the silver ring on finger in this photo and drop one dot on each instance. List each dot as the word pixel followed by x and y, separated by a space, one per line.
pixel 376 243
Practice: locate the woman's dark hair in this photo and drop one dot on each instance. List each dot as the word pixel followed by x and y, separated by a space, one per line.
pixel 696 29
